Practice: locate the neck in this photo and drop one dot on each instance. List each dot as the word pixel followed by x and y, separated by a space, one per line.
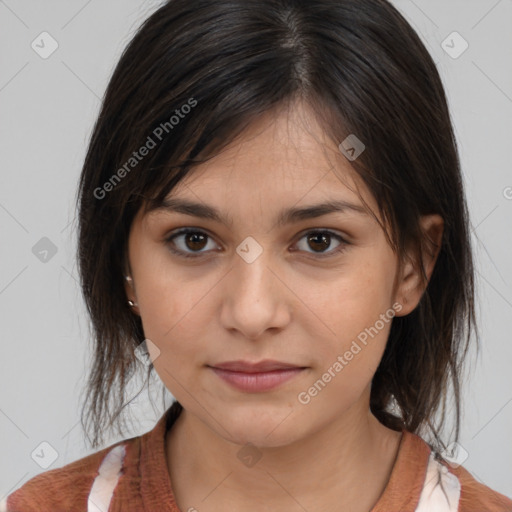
pixel 345 465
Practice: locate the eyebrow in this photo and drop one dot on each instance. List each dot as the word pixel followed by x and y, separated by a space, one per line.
pixel 286 216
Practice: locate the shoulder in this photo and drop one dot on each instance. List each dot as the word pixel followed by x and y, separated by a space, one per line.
pixel 68 487
pixel 475 495
pixel 452 488
pixel 424 481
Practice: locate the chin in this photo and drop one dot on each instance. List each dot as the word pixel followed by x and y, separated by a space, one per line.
pixel 263 427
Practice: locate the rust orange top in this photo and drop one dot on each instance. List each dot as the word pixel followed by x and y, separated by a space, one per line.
pixel 132 476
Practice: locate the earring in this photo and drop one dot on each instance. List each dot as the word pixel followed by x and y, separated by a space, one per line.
pixel 130 302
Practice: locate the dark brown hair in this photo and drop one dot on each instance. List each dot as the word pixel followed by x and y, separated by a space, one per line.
pixel 197 73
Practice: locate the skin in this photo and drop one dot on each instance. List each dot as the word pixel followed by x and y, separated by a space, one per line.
pixel 288 305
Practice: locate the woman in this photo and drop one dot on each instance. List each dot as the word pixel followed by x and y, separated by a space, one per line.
pixel 272 217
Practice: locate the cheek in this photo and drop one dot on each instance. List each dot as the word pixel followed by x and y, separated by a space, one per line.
pixel 357 310
pixel 175 314
pixel 357 298
pixel 167 294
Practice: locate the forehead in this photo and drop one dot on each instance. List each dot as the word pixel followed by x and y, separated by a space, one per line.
pixel 285 152
pixel 282 159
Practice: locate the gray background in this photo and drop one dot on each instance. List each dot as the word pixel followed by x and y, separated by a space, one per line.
pixel 48 107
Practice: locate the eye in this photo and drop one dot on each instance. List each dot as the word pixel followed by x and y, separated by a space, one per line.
pixel 191 238
pixel 319 240
pixel 192 241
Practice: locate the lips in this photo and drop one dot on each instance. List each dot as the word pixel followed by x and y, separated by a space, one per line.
pixel 268 365
pixel 256 377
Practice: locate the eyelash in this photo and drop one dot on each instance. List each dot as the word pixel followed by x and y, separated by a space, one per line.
pixel 338 250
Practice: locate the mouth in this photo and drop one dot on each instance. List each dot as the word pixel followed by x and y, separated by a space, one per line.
pixel 256 377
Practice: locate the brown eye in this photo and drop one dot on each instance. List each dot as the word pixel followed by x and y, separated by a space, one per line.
pixel 195 241
pixel 191 242
pixel 321 241
pixel 188 241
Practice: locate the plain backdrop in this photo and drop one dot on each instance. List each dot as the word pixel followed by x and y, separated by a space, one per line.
pixel 47 110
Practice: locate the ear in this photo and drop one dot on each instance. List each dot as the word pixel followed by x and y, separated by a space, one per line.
pixel 411 282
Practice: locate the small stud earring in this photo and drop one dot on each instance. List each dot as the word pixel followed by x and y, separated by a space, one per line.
pixel 130 302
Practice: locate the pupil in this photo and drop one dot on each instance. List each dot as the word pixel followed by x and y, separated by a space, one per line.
pixel 195 239
pixel 324 240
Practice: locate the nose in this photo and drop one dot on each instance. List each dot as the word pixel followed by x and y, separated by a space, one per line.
pixel 256 298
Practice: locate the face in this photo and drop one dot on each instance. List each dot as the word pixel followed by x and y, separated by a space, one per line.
pixel 314 293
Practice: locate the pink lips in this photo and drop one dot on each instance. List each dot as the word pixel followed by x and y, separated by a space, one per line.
pixel 256 377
